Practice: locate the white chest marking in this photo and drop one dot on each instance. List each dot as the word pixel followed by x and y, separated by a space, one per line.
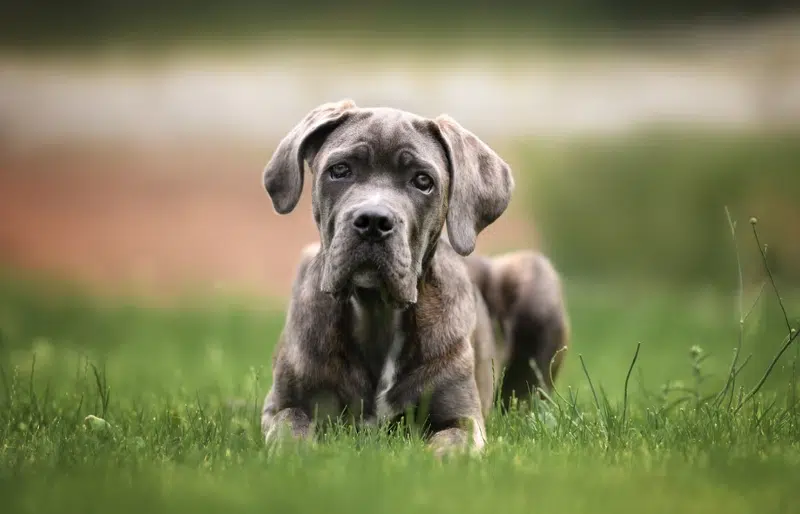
pixel 383 409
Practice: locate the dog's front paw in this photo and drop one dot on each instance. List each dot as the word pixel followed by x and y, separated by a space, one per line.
pixel 459 440
pixel 282 440
pixel 447 443
pixel 289 429
pixel 452 442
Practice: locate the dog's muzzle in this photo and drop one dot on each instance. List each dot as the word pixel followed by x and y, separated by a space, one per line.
pixel 370 249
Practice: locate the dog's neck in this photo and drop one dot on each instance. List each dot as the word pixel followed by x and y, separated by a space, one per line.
pixel 377 326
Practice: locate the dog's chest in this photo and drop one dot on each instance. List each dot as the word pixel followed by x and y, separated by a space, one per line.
pixel 379 337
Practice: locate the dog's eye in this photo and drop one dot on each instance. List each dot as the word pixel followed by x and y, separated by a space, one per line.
pixel 338 171
pixel 423 182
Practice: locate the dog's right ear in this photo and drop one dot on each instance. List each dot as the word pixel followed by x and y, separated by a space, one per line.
pixel 283 175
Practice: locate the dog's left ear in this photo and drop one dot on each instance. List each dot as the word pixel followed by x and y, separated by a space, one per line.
pixel 283 175
pixel 481 184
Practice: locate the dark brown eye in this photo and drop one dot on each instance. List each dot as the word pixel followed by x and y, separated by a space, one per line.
pixel 423 182
pixel 339 171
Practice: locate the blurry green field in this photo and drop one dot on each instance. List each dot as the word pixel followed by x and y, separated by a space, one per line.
pixel 653 204
pixel 182 388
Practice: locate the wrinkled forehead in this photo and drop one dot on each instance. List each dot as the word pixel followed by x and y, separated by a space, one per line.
pixel 386 137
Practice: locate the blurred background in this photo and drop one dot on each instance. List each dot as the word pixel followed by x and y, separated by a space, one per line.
pixel 132 134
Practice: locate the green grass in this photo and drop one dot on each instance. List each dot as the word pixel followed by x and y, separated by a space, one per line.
pixel 181 390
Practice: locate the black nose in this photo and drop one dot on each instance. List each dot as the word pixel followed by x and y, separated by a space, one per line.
pixel 373 223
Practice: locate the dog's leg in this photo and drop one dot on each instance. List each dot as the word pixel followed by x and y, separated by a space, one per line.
pixel 449 406
pixel 535 339
pixel 283 418
pixel 280 417
pixel 446 402
pixel 524 295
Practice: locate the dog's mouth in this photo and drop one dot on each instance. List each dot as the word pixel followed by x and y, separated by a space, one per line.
pixel 346 271
pixel 367 276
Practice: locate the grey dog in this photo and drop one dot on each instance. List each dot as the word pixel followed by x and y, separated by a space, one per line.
pixel 386 315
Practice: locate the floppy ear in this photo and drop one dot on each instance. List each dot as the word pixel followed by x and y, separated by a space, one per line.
pixel 283 175
pixel 480 184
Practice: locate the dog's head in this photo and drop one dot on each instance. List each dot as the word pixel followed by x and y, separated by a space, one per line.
pixel 385 181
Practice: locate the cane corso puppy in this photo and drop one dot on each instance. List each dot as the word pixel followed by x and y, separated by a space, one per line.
pixel 384 317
